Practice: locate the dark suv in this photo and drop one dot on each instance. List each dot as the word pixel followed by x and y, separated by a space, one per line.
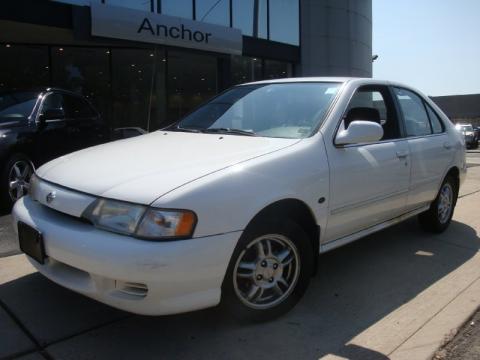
pixel 37 126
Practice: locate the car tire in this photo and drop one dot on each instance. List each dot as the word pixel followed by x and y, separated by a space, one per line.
pixel 275 258
pixel 20 167
pixel 438 217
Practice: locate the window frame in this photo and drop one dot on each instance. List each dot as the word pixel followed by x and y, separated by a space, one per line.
pixel 425 104
pixel 379 87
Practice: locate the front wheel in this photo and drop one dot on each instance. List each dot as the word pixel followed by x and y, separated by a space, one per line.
pixel 15 179
pixel 269 271
pixel 439 216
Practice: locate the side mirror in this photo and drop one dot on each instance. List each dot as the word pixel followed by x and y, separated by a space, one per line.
pixel 52 114
pixel 360 131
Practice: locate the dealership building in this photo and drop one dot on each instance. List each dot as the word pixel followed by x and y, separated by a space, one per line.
pixel 146 63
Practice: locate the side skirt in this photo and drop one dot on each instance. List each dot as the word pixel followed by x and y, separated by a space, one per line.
pixel 373 229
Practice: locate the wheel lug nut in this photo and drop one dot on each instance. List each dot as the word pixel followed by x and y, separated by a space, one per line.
pixel 275 266
pixel 270 280
pixel 264 263
pixel 259 277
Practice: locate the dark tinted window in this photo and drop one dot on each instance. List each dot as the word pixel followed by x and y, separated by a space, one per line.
pixel 213 11
pixel 16 105
pixel 437 124
pixel 53 101
pixel 23 66
pixel 277 69
pixel 245 69
pixel 77 107
pixel 414 113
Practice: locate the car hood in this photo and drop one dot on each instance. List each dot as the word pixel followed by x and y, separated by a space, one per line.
pixel 143 168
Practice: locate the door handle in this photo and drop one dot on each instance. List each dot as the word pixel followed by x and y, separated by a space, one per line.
pixel 447 145
pixel 402 154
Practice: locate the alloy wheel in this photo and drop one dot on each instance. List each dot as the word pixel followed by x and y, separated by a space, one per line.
pixel 266 271
pixel 19 179
pixel 445 203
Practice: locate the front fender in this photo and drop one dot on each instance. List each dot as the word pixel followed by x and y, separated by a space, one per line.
pixel 227 200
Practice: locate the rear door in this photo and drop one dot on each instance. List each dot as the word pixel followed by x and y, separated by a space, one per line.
pixel 368 182
pixel 430 149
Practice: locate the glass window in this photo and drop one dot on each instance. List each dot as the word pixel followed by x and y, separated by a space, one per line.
pixel 270 110
pixel 242 11
pixel 262 23
pixel 245 69
pixel 77 108
pixel 84 71
pixel 191 80
pixel 23 67
pixel 180 8
pixel 414 113
pixel 132 4
pixel 374 104
pixel 158 99
pixel 277 69
pixel 213 11
pixel 16 105
pixel 53 102
pixel 132 76
pixel 284 21
pixel 435 120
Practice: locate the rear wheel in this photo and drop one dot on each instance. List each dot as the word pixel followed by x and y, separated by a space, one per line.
pixel 439 216
pixel 15 179
pixel 269 271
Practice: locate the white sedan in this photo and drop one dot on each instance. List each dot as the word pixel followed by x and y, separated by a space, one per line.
pixel 234 203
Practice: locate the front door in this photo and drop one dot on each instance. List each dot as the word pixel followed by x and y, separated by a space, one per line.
pixel 368 182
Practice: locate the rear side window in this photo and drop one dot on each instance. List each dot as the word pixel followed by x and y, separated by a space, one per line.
pixel 78 107
pixel 414 113
pixel 437 125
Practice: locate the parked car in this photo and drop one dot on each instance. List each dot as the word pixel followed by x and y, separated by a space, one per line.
pixel 235 203
pixel 476 131
pixel 468 132
pixel 37 126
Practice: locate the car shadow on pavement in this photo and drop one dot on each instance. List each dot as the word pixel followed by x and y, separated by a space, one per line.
pixel 356 286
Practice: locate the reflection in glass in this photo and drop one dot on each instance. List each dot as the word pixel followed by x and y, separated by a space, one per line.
pixel 132 4
pixel 191 80
pixel 245 69
pixel 84 71
pixel 180 8
pixel 213 11
pixel 284 21
pixel 277 69
pixel 132 74
pixel 242 11
pixel 18 70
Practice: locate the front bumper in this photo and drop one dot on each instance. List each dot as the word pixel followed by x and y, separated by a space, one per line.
pixel 143 277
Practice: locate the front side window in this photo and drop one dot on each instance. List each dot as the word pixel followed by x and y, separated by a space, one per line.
pixel 373 103
pixel 288 110
pixel 414 113
pixel 53 102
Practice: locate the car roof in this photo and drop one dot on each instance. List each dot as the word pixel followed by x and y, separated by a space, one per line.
pixel 40 90
pixel 329 79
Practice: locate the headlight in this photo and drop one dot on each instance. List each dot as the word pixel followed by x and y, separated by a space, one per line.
pixel 139 220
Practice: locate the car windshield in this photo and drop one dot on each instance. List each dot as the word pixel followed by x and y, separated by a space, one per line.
pixel 16 105
pixel 465 127
pixel 283 110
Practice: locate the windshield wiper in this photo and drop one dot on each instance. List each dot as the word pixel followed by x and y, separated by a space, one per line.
pixel 229 131
pixel 178 128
